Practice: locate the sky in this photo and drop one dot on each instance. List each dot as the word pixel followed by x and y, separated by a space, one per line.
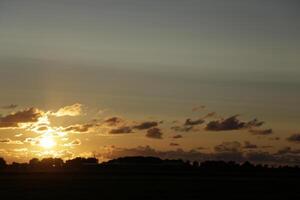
pixel 197 79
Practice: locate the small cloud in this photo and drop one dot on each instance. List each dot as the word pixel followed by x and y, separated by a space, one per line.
pixel 121 130
pixel 18 135
pixel 190 122
pixel 275 138
pixel 145 125
pixel 197 108
pixel 73 143
pixel 79 128
pixel 8 107
pixel 177 136
pixel 211 114
pixel 174 144
pixel 294 138
pixel 228 147
pixel 72 111
pixel 113 121
pixel 261 132
pixel 182 128
pixel 154 133
pixel 248 145
pixel 9 141
pixel 21 150
pixel 287 150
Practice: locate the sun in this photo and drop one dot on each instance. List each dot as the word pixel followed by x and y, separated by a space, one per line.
pixel 47 142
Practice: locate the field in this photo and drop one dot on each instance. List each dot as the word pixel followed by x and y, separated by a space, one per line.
pixel 126 184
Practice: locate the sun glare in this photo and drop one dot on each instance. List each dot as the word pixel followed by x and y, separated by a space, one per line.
pixel 47 142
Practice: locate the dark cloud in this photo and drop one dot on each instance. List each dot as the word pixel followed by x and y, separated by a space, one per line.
pixel 248 145
pixel 11 106
pixel 288 150
pixel 80 128
pixel 188 125
pixel 294 138
pixel 145 125
pixel 232 123
pixel 154 133
pixel 177 136
pixel 24 116
pixel 190 122
pixel 113 121
pixel 261 132
pixel 228 147
pixel 174 144
pixel 121 130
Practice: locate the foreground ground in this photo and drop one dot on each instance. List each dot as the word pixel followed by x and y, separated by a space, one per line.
pixel 126 184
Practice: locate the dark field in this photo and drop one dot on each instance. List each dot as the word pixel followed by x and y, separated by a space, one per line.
pixel 145 184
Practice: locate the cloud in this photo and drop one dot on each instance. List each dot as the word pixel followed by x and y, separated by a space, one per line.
pixel 76 142
pixel 248 145
pixel 197 108
pixel 154 133
pixel 261 132
pixel 182 128
pixel 190 122
pixel 11 106
pixel 113 121
pixel 9 141
pixel 288 150
pixel 177 136
pixel 72 111
pixel 79 128
pixel 228 147
pixel 174 144
pixel 231 123
pixel 211 114
pixel 294 138
pixel 121 130
pixel 188 125
pixel 145 125
pixel 24 116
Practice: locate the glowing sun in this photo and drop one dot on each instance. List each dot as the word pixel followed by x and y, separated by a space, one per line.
pixel 47 142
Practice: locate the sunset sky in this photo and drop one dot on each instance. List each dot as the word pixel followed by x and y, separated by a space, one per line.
pixel 196 79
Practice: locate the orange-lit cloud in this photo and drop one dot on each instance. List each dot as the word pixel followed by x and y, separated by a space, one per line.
pixel 72 110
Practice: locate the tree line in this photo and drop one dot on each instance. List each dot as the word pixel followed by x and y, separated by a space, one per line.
pixel 139 162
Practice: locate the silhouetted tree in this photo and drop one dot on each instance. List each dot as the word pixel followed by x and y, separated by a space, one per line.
pixel 2 163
